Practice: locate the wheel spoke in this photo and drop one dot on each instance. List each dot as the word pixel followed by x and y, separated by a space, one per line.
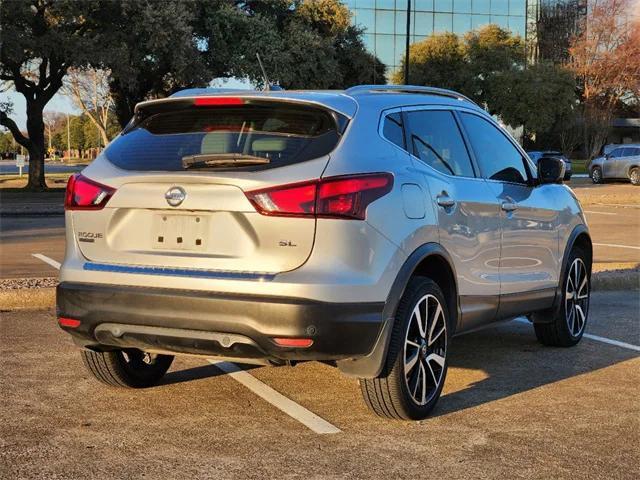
pixel 424 384
pixel 411 362
pixel 580 317
pixel 433 375
pixel 571 317
pixel 582 287
pixel 439 359
pixel 413 344
pixel 436 317
pixel 418 375
pixel 422 324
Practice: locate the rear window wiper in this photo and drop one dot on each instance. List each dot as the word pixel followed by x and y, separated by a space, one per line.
pixel 222 160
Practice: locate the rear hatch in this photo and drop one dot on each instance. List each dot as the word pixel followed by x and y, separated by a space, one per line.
pixel 174 184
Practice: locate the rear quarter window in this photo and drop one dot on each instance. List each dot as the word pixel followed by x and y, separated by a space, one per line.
pixel 282 133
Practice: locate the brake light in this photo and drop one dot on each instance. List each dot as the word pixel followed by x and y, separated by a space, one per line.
pixel 333 197
pixel 217 101
pixel 85 194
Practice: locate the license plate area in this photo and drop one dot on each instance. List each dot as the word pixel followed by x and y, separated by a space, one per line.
pixel 180 232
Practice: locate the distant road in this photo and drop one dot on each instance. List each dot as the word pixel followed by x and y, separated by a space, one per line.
pixel 8 167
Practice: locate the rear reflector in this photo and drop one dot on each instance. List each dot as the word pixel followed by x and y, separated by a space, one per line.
pixel 294 342
pixel 68 322
pixel 217 101
pixel 85 194
pixel 333 197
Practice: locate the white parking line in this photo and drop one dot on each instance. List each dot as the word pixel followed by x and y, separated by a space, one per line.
pixel 599 213
pixel 622 205
pixel 288 406
pixel 46 259
pixel 597 338
pixel 613 245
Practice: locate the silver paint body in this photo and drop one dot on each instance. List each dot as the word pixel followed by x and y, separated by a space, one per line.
pixel 494 252
pixel 616 167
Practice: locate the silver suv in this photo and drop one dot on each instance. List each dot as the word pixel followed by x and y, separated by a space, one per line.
pixel 623 162
pixel 361 228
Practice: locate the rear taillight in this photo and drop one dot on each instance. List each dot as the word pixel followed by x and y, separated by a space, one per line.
pixel 333 197
pixel 85 194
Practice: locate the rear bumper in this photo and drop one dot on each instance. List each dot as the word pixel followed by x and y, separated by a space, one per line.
pixel 227 325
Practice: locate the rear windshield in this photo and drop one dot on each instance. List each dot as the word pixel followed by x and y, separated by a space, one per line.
pixel 282 133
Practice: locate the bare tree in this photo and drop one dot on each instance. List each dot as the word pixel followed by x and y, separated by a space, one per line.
pixel 606 59
pixel 89 90
pixel 52 121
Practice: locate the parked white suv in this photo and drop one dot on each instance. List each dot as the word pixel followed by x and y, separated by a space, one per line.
pixel 363 228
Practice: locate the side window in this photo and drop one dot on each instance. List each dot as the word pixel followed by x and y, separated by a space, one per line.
pixel 616 153
pixel 497 157
pixel 392 129
pixel 436 140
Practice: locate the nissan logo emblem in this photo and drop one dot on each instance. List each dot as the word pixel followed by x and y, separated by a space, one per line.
pixel 175 196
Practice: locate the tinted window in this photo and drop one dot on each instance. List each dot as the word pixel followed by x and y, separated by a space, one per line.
pixel 436 140
pixel 616 153
pixel 497 157
pixel 630 152
pixel 392 129
pixel 284 134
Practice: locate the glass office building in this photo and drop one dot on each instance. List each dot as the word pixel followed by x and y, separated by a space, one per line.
pixel 385 21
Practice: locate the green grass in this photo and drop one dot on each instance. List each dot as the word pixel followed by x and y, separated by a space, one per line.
pixel 579 166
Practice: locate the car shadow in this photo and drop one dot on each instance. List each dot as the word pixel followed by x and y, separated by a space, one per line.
pixel 197 373
pixel 510 361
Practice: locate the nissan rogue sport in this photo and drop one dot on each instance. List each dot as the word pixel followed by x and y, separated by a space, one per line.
pixel 361 228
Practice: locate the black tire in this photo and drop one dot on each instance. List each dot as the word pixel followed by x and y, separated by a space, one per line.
pixel 596 175
pixel 388 395
pixel 126 368
pixel 634 176
pixel 565 328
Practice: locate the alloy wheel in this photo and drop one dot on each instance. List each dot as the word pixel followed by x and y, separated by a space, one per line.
pixel 425 350
pixel 577 297
pixel 595 175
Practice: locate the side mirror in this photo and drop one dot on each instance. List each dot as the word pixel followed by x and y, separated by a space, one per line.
pixel 550 170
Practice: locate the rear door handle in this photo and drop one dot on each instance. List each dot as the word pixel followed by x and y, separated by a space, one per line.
pixel 509 206
pixel 444 200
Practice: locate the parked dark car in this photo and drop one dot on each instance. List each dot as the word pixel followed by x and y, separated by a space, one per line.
pixel 537 155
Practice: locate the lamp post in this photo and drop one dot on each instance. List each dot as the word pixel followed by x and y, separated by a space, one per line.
pixel 406 47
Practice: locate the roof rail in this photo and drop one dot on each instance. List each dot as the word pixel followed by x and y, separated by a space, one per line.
pixel 409 89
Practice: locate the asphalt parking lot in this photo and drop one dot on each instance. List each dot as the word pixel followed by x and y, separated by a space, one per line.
pixel 511 408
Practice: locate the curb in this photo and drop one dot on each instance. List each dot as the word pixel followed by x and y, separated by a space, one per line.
pixel 40 292
pixel 615 280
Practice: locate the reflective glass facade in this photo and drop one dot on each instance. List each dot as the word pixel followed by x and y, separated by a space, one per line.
pixel 385 21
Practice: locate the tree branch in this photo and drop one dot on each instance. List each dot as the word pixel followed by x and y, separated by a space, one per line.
pixel 5 121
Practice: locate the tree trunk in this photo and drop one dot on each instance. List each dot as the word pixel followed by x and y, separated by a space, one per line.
pixel 122 103
pixel 35 129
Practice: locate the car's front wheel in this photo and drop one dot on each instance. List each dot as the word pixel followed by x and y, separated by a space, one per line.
pixel 596 175
pixel 128 368
pixel 416 364
pixel 634 176
pixel 567 324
